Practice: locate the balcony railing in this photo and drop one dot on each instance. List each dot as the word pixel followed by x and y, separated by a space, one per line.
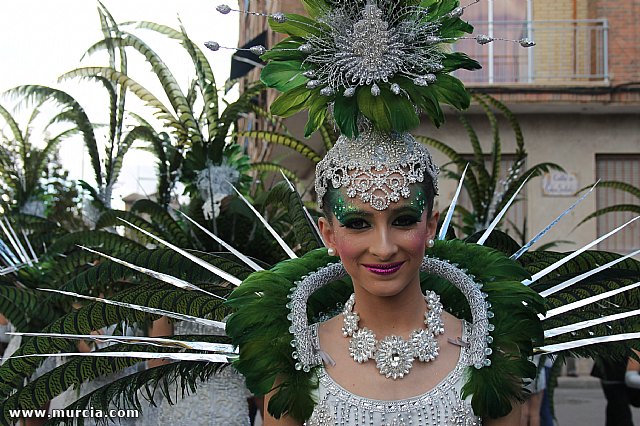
pixel 568 52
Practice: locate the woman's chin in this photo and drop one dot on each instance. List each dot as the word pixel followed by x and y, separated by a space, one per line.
pixel 385 288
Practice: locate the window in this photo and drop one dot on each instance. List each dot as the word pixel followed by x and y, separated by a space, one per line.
pixel 623 168
pixel 502 62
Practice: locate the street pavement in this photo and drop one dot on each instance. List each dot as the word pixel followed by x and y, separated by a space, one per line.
pixel 579 401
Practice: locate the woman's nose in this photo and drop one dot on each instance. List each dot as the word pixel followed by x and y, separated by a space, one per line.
pixel 383 246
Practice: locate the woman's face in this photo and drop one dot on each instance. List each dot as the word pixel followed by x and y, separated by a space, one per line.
pixel 381 250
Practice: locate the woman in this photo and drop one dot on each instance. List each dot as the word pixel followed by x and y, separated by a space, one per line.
pixel 393 355
pixel 382 252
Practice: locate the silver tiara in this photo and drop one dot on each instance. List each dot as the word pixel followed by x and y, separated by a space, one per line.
pixel 377 167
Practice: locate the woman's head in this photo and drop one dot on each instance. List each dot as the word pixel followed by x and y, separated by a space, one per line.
pixel 377 192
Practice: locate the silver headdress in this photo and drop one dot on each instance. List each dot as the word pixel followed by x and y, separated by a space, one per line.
pixel 361 46
pixel 377 167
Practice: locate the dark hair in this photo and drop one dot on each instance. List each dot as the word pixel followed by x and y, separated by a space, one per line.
pixel 427 186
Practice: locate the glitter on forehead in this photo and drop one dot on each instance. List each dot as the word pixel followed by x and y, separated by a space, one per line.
pixel 419 201
pixel 341 208
pixel 376 167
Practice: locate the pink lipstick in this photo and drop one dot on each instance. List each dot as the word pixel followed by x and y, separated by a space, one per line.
pixel 384 268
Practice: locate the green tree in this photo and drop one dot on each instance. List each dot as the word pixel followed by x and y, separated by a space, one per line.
pixel 25 158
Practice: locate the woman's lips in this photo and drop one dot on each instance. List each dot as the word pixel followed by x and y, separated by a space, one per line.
pixel 384 269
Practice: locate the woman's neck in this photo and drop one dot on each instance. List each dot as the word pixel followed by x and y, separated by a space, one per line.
pixel 386 315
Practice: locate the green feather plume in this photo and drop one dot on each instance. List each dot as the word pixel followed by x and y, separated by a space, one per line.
pixel 260 328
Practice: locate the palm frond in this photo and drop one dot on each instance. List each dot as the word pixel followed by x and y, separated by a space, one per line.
pixel 284 140
pixel 614 184
pixel 163 220
pixel 303 230
pixel 80 369
pixel 618 208
pixel 231 114
pixel 94 316
pixel 13 125
pixel 478 168
pixel 534 171
pixel 99 239
pixel 511 118
pixel 496 150
pixel 162 113
pixel 17 305
pixel 265 166
pixel 171 382
pixel 76 114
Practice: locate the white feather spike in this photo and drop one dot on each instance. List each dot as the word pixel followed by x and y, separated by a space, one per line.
pixel 209 267
pixel 33 253
pixel 584 302
pixel 498 218
pixel 558 347
pixel 540 234
pixel 169 279
pixel 313 224
pixel 134 340
pixel 587 274
pixel 452 207
pixel 272 231
pixel 293 189
pixel 553 332
pixel 7 259
pixel 250 263
pixel 8 270
pixel 567 258
pixel 179 356
pixel 18 252
pixel 20 245
pixel 183 317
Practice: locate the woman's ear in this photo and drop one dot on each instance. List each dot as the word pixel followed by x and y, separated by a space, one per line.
pixel 326 232
pixel 432 225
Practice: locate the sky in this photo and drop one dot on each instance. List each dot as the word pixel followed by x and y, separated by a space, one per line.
pixel 42 39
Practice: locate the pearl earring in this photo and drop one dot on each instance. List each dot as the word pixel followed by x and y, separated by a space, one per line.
pixel 331 251
pixel 430 243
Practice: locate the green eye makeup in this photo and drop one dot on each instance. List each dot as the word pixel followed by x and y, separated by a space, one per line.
pixel 418 201
pixel 341 209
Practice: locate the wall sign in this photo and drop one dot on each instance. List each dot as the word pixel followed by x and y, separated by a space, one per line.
pixel 559 184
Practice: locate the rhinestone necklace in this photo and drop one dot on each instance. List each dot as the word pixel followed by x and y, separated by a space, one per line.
pixel 394 356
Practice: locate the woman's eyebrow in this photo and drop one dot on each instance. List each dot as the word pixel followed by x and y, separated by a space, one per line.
pixel 393 211
pixel 357 212
pixel 403 209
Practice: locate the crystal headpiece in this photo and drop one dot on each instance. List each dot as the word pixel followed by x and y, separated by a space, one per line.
pixel 377 167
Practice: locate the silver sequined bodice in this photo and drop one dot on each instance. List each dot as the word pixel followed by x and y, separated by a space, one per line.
pixel 441 406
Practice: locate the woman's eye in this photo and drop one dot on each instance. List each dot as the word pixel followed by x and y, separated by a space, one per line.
pixel 406 221
pixel 356 223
